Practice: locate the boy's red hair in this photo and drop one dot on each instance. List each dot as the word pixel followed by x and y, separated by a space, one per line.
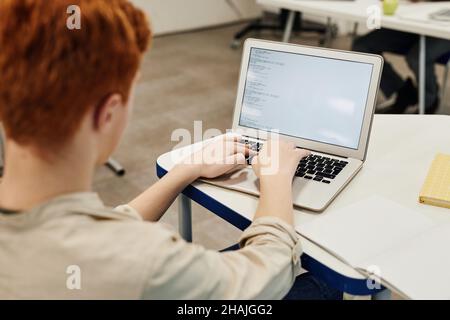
pixel 50 76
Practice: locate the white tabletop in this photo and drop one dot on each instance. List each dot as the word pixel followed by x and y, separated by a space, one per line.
pixel 357 11
pixel 401 150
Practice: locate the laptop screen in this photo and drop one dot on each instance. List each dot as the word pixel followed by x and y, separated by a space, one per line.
pixel 309 97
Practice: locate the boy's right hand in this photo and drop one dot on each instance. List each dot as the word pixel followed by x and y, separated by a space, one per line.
pixel 275 166
pixel 278 160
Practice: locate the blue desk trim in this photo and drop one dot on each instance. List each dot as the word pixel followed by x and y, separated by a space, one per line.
pixel 331 277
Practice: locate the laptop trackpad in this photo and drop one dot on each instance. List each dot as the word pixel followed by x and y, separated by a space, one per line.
pixel 244 180
pixel 306 194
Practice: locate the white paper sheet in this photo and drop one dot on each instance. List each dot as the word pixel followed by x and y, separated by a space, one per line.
pixel 365 229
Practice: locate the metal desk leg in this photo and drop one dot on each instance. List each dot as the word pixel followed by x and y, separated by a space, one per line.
pixel 328 35
pixel 289 26
pixel 422 78
pixel 382 295
pixel 355 31
pixel 185 217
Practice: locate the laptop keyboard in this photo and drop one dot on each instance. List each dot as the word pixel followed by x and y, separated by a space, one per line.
pixel 320 168
pixel 314 167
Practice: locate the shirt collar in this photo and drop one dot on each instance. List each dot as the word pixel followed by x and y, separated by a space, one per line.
pixel 87 203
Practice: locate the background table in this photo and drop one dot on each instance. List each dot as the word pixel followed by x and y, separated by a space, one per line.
pixel 356 11
pixel 401 150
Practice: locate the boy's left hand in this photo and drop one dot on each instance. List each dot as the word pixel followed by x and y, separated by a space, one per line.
pixel 222 155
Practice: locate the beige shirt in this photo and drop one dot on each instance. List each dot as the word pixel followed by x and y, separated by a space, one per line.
pixel 73 247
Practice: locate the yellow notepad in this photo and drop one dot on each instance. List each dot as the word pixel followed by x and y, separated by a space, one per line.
pixel 436 190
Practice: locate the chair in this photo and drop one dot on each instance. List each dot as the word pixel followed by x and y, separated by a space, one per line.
pixel 299 25
pixel 116 167
pixel 444 60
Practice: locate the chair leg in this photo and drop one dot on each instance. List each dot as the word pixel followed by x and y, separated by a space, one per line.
pixel 116 167
pixel 444 85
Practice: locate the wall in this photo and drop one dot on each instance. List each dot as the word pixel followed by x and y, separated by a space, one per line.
pixel 181 15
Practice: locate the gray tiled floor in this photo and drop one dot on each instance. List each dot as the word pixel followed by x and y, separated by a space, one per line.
pixel 185 77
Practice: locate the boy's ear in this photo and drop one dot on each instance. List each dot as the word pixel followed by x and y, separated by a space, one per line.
pixel 106 110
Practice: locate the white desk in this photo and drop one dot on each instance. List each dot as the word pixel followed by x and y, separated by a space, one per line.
pixel 401 150
pixel 356 11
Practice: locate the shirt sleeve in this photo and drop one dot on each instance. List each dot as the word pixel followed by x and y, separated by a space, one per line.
pixel 264 268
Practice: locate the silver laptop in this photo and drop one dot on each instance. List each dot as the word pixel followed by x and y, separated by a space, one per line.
pixel 322 100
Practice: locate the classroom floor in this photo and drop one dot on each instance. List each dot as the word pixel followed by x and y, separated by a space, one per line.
pixel 187 77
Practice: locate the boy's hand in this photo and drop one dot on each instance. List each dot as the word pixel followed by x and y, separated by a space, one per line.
pixel 224 154
pixel 278 160
pixel 275 166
